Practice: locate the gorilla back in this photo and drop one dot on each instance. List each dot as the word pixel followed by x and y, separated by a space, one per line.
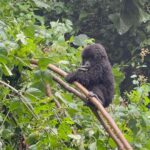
pixel 95 73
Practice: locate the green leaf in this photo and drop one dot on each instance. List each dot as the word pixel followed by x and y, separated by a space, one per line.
pixel 43 63
pixel 6 70
pixel 15 104
pixel 130 13
pixel 112 143
pixel 41 4
pixel 119 77
pixel 68 121
pixel 7 133
pixel 100 145
pixel 119 23
pixel 29 31
pixel 75 136
pixel 80 40
pixel 92 146
pixel 33 138
pixel 64 130
pixel 3 59
pixel 1 119
pixel 34 91
pixel 33 147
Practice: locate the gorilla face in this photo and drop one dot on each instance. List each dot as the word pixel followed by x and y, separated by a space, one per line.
pixel 85 65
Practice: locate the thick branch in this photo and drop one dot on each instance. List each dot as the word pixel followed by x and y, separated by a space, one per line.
pixel 96 103
pixel 68 88
pixel 97 113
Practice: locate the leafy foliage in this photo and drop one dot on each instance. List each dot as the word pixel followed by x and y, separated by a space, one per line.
pixel 42 30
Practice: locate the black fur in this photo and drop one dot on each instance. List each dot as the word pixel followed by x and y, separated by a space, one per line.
pixel 98 78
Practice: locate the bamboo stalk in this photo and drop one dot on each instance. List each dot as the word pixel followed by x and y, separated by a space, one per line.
pixel 96 113
pixel 96 103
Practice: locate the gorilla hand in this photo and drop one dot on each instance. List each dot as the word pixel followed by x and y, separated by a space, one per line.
pixel 70 77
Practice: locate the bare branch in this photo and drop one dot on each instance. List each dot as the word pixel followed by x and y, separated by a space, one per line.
pixel 96 103
pixel 97 113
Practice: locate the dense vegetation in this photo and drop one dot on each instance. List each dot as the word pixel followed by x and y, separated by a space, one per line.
pixel 56 32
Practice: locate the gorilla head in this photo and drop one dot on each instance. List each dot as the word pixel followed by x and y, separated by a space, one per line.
pixel 92 55
pixel 95 73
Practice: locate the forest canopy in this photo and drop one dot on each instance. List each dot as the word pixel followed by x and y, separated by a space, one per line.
pixel 35 111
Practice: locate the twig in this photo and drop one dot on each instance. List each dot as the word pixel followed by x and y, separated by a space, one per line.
pixel 48 93
pixel 96 103
pixel 23 99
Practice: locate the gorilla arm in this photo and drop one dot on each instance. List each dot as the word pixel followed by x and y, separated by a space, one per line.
pixel 85 77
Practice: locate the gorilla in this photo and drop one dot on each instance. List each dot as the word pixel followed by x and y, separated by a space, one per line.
pixel 95 73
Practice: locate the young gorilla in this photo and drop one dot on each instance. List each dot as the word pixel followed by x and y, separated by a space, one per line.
pixel 95 73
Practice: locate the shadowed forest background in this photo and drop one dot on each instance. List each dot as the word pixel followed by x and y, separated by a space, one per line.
pixel 56 31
